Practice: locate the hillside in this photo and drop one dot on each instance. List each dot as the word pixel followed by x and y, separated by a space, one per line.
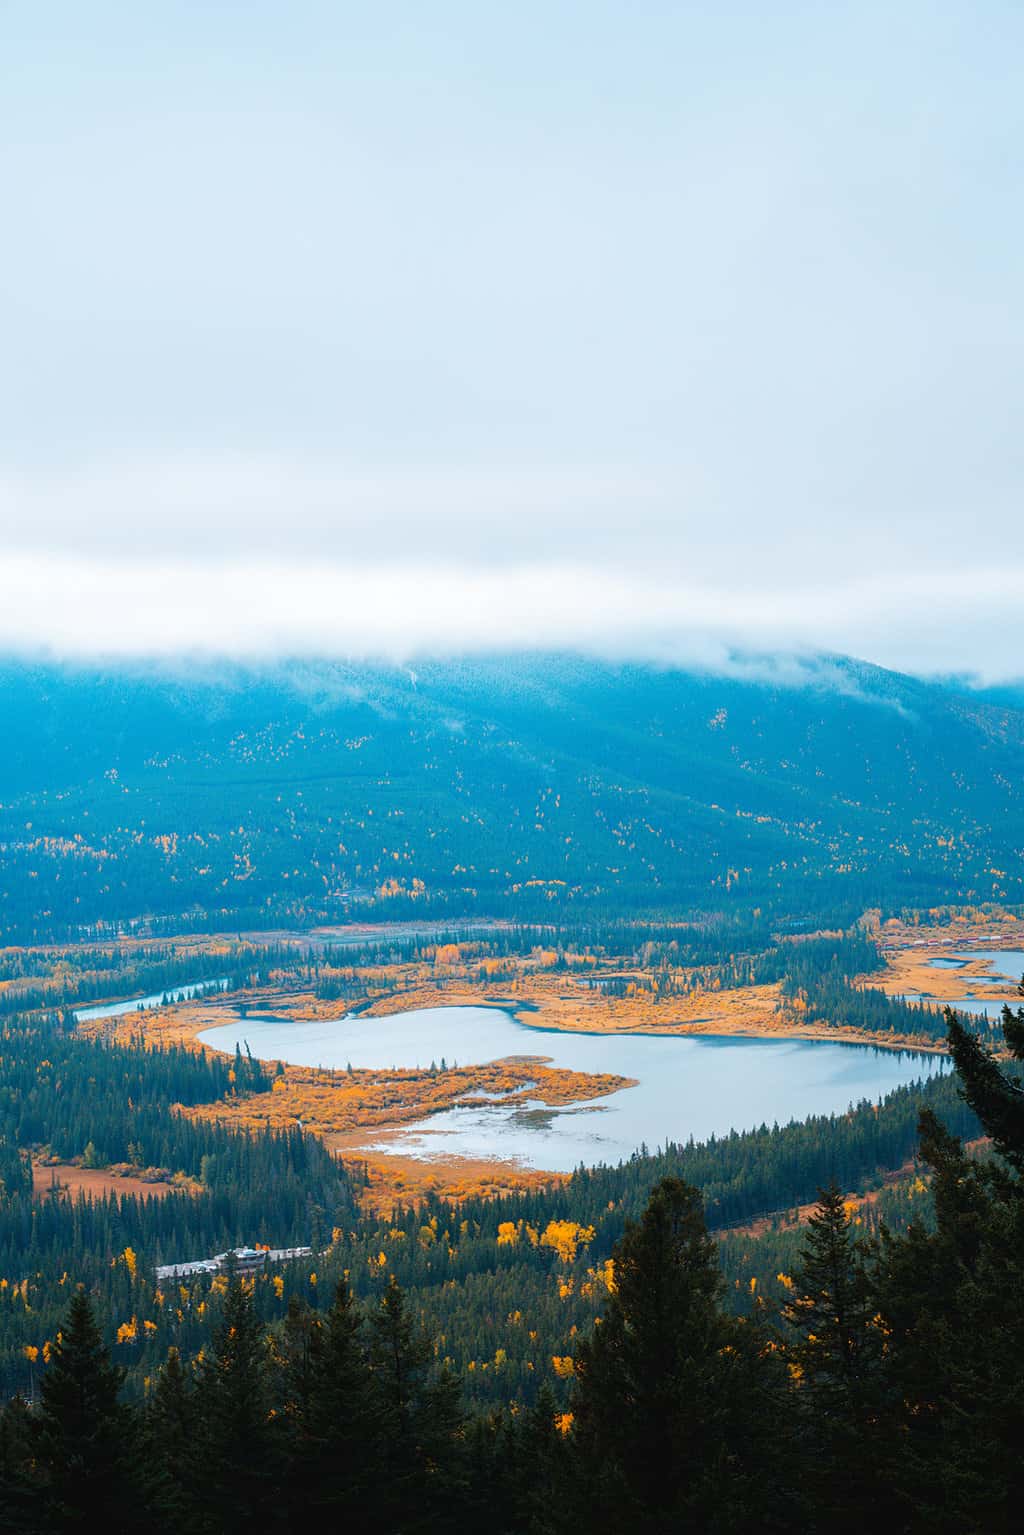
pixel 504 784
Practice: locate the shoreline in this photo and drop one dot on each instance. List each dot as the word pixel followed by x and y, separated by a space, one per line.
pixel 530 1013
pixel 373 1106
pixel 356 1115
pixel 525 1014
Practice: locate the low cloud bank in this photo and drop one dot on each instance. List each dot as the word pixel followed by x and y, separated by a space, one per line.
pixel 259 609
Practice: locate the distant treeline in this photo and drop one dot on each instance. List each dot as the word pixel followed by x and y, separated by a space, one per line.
pixel 75 977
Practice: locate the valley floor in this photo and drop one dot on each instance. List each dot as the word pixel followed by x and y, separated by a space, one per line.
pixel 348 1109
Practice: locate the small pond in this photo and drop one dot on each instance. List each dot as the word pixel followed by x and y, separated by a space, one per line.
pixel 978 1007
pixel 1007 965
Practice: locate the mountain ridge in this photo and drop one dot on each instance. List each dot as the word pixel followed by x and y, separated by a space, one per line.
pixel 509 783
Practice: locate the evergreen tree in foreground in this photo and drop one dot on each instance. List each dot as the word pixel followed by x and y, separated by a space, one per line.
pixel 421 1471
pixel 84 1438
pixel 831 1305
pixel 520 1469
pixel 344 1422
pixel 237 1486
pixel 171 1465
pixel 21 1508
pixel 835 1359
pixel 995 1098
pixel 953 1300
pixel 669 1397
pixel 329 1419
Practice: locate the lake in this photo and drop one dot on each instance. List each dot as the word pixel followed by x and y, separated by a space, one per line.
pixel 687 1085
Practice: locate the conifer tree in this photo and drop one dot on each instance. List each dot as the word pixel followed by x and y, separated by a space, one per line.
pixel 308 1436
pixel 997 1100
pixel 525 1457
pixel 836 1357
pixel 420 1422
pixel 170 1463
pixel 341 1425
pixel 297 1346
pixel 831 1304
pixel 233 1402
pixel 953 1303
pixel 21 1504
pixel 665 1402
pixel 84 1433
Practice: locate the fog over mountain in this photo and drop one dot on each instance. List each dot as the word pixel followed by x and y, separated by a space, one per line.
pixel 972 627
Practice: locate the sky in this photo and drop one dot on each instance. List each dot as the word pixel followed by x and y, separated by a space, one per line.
pixel 415 328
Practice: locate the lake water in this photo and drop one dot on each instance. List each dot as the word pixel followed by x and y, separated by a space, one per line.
pixel 688 1085
pixel 978 1007
pixel 1007 964
pixel 143 1004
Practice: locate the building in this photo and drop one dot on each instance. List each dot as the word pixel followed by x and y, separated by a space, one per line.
pixel 247 1260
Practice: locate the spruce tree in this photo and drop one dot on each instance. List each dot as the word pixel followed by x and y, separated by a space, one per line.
pixel 84 1441
pixel 997 1099
pixel 831 1305
pixel 421 1466
pixel 835 1356
pixel 953 1304
pixel 342 1424
pixel 21 1500
pixel 297 1347
pixel 233 1401
pixel 521 1470
pixel 666 1401
pixel 171 1465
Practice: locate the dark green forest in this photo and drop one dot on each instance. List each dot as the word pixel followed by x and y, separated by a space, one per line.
pixel 885 1386
pixel 527 787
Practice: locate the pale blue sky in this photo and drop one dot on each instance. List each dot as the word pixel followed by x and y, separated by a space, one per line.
pixel 702 318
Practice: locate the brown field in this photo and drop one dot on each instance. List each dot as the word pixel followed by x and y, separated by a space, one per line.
pixel 401 1180
pixel 96 1182
pixel 333 1103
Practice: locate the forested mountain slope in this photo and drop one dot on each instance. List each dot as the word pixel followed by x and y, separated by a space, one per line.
pixel 503 784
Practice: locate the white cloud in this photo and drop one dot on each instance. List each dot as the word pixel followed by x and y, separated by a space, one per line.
pixel 261 607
